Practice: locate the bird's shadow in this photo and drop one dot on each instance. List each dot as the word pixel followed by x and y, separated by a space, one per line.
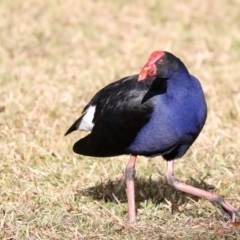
pixel 146 189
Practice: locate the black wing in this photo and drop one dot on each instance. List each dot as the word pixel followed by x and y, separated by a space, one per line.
pixel 99 100
pixel 120 114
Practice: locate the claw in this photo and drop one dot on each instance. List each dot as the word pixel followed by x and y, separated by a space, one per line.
pixel 224 208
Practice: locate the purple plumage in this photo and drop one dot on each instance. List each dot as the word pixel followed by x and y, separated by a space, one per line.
pixel 161 111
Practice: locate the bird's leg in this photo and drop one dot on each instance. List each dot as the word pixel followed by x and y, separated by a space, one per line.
pixel 219 202
pixel 130 175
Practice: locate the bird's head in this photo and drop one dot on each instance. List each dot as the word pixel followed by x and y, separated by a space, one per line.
pixel 161 64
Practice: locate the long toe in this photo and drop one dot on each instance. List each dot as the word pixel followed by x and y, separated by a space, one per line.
pixel 225 208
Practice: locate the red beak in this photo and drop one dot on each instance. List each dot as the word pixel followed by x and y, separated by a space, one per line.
pixel 147 71
pixel 150 69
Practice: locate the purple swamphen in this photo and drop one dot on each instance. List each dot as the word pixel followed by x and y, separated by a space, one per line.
pixel 160 111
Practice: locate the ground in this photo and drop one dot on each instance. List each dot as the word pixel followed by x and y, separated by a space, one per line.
pixel 54 55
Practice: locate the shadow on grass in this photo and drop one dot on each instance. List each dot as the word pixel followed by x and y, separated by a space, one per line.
pixel 146 189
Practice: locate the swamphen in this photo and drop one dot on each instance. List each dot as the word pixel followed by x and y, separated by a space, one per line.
pixel 160 111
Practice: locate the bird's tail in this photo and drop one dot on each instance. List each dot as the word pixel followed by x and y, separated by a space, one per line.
pixel 75 126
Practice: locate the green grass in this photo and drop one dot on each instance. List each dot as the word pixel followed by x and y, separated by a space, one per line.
pixel 53 57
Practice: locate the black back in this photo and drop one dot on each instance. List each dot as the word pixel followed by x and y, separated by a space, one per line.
pixel 122 109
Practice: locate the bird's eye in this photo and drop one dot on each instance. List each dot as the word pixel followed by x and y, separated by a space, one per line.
pixel 160 61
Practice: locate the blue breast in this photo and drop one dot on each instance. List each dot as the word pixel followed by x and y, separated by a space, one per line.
pixel 177 119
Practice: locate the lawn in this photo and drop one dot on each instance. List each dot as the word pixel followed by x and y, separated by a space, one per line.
pixel 54 55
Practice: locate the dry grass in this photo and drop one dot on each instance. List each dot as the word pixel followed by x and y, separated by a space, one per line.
pixel 54 55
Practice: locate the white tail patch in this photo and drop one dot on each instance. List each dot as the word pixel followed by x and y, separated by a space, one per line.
pixel 87 121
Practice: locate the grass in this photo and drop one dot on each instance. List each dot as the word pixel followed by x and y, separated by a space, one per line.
pixel 53 57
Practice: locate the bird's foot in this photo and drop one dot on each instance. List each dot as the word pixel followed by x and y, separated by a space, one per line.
pixel 224 208
pixel 130 221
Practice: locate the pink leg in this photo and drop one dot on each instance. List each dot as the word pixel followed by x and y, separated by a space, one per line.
pixel 222 205
pixel 130 174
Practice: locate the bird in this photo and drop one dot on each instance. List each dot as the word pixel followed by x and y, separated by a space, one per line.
pixel 158 112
